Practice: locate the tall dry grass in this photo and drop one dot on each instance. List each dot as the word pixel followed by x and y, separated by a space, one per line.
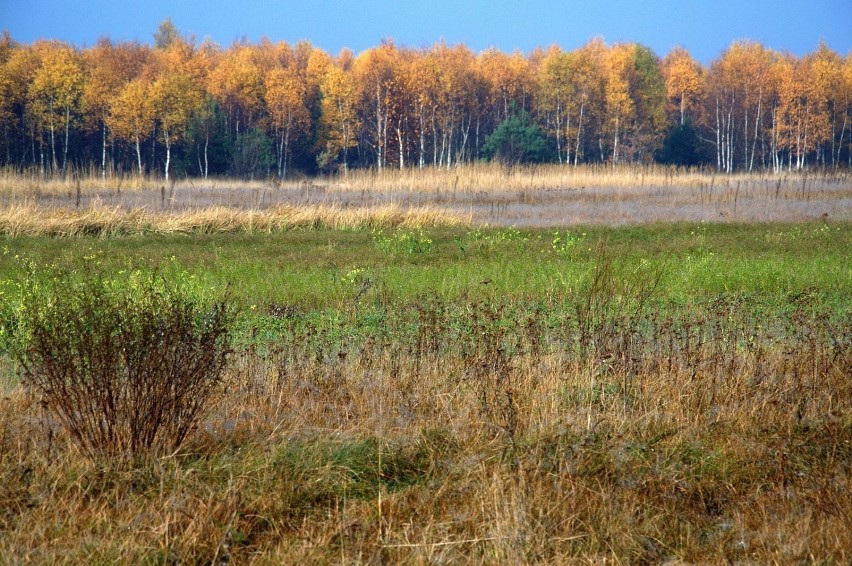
pixel 32 220
pixel 495 177
pixel 464 178
pixel 542 195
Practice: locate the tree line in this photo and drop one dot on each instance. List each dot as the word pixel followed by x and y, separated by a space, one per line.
pixel 179 107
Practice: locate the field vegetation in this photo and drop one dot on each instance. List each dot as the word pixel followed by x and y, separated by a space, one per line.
pixel 261 304
pixel 436 393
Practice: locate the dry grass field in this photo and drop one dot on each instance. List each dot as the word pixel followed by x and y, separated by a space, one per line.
pixel 547 195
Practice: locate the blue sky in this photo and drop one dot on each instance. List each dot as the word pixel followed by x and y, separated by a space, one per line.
pixel 704 28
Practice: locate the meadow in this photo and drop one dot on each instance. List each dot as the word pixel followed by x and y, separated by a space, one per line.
pixel 416 387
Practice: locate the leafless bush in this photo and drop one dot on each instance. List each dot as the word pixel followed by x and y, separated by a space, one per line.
pixel 126 370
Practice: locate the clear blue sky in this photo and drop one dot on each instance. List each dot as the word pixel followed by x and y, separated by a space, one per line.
pixel 704 28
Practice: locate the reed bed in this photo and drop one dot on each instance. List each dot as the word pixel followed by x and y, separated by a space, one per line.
pixel 495 177
pixel 531 196
pixel 31 220
pixel 465 178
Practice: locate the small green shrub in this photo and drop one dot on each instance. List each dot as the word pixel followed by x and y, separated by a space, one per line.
pixel 127 366
pixel 565 245
pixel 479 240
pixel 402 243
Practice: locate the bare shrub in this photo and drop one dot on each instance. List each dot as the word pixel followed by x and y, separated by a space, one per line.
pixel 128 368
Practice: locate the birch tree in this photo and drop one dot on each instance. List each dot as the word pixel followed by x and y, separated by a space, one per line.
pixel 285 95
pixel 683 77
pixel 55 94
pixel 131 116
pixel 108 68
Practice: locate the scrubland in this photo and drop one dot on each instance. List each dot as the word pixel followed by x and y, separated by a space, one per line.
pixel 424 389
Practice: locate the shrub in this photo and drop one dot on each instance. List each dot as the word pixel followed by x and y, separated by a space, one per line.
pixel 402 243
pixel 126 367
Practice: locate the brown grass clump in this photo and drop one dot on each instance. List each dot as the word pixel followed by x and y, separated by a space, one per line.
pixel 29 220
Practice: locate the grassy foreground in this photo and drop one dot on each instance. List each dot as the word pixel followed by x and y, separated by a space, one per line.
pixel 665 393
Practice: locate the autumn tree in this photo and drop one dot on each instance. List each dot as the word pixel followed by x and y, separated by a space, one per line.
pixel 683 77
pixel 588 103
pixel 285 95
pixel 252 103
pixel 237 85
pixel 827 82
pixel 108 69
pixel 338 123
pixel 8 98
pixel 21 128
pixel 736 104
pixel 553 95
pixel 174 100
pixel 510 83
pixel 805 90
pixel 131 116
pixel 422 78
pixel 620 107
pixel 845 117
pixel 166 34
pixel 376 81
pixel 570 92
pixel 458 90
pixel 208 124
pixel 55 93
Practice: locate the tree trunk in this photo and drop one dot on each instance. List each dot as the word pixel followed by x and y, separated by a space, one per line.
pixel 168 154
pixel 401 146
pixel 206 143
pixel 67 129
pixel 567 140
pixel 53 147
pixel 139 155
pixel 718 138
pixel 103 153
pixel 840 142
pixel 615 141
pixel 422 151
pixel 558 130
pixel 379 155
pixel 756 128
pixel 280 154
pixel 286 151
pixel 579 131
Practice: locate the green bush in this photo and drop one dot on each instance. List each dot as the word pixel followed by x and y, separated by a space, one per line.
pixel 128 366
